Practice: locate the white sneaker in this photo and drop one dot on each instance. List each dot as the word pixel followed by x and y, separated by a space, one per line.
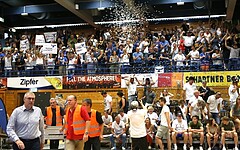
pixel 184 147
pixel 149 147
pixel 175 147
pixel 236 148
pixel 209 148
pixel 113 148
pixel 123 148
pixel 200 148
pixel 224 148
pixel 191 148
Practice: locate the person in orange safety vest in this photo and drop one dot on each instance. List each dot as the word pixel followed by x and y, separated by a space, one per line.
pixel 96 127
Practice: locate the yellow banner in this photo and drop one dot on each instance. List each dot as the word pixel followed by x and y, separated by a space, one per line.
pixel 219 78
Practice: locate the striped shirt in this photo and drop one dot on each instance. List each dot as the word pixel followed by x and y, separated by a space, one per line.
pixel 26 124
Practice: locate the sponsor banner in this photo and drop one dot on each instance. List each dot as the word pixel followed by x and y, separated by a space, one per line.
pixel 141 78
pixel 51 82
pixel 213 78
pixel 50 36
pixel 39 40
pixel 91 81
pixel 24 44
pixel 49 48
pixel 170 80
pixel 80 48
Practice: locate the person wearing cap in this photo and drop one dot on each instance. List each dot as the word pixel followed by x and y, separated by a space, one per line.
pixel 233 90
pixel 234 55
pixel 54 117
pixel 213 106
pixel 195 129
pixel 137 130
pixel 228 131
pixel 107 99
pixel 165 125
pixel 188 89
pixel 179 130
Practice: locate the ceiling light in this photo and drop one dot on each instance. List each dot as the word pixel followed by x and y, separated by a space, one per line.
pixel 180 3
pixel 1 19
pixel 24 14
pixel 76 6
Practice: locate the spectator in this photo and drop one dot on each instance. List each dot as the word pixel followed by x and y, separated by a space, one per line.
pixel 151 59
pixel 91 62
pixel 28 64
pixel 195 98
pixel 205 91
pixel 179 130
pixel 235 114
pixel 123 117
pixel 150 132
pixel 132 89
pixel 174 50
pixel 138 60
pixel 114 63
pixel 7 65
pixel 62 61
pixel 217 60
pixel 102 60
pixel 107 122
pixel 50 64
pixel 183 109
pixel 107 100
pixel 198 109
pixel 123 104
pixel 40 62
pixel 179 60
pixel 71 64
pixel 234 56
pixel 194 57
pixel 213 106
pixel 188 89
pixel 233 91
pixel 228 131
pixel 204 59
pixel 188 41
pixel 152 115
pixel 167 95
pixel 118 133
pixel 195 129
pixel 125 61
pixel 212 132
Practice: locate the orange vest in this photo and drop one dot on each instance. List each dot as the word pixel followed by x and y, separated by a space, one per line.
pixel 49 116
pixel 94 130
pixel 78 122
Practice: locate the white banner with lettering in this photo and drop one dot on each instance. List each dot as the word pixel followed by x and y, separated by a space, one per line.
pixel 80 48
pixel 49 48
pixel 39 40
pixel 50 82
pixel 24 44
pixel 50 36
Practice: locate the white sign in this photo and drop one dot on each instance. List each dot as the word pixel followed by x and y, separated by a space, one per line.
pixel 50 36
pixel 39 40
pixel 159 69
pixel 141 78
pixel 49 48
pixel 24 44
pixel 34 83
pixel 80 48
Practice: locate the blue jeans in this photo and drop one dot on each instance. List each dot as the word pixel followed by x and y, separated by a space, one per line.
pixel 216 117
pixel 122 138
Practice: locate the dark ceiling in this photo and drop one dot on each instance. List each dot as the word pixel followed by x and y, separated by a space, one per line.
pixel 48 12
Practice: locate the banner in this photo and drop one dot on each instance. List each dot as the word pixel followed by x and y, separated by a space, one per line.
pixel 92 81
pixel 141 78
pixel 50 37
pixel 51 82
pixel 49 48
pixel 39 40
pixel 24 44
pixel 80 48
pixel 213 78
pixel 170 80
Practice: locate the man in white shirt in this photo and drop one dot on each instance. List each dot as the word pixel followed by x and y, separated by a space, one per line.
pixel 195 98
pixel 118 132
pixel 213 106
pixel 233 90
pixel 132 89
pixel 107 102
pixel 188 89
pixel 179 59
pixel 107 122
pixel 165 125
pixel 179 130
pixel 137 126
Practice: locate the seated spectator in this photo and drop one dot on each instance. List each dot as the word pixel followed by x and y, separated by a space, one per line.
pixel 118 133
pixel 195 129
pixel 212 133
pixel 123 117
pixel 107 122
pixel 179 130
pixel 150 132
pixel 183 109
pixel 152 115
pixel 228 131
pixel 235 114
